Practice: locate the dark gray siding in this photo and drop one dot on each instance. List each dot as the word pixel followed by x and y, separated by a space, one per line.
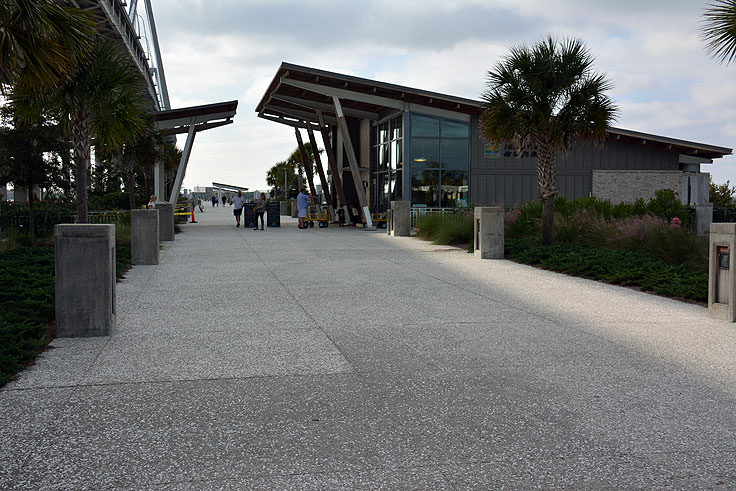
pixel 510 181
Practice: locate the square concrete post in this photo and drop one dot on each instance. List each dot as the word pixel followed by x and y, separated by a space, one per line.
pixel 165 221
pixel 703 218
pixel 488 232
pixel 721 292
pixel 144 236
pixel 85 279
pixel 399 219
pixel 284 207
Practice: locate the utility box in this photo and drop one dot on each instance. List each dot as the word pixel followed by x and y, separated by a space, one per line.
pixel 721 297
pixel 85 280
pixel 488 232
pixel 165 221
pixel 144 236
pixel 399 219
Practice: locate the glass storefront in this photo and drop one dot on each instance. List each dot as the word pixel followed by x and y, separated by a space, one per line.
pixel 440 161
pixel 387 163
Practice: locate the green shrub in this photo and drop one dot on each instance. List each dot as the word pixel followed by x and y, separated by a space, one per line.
pixel 619 267
pixel 447 229
pixel 27 302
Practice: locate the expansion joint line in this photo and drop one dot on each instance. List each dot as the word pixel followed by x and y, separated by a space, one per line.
pixel 292 295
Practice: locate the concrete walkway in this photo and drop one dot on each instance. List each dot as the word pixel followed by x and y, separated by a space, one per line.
pixel 340 358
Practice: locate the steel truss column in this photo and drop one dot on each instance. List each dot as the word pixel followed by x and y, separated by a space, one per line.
pixel 332 162
pixel 322 178
pixel 353 161
pixel 183 163
pixel 305 162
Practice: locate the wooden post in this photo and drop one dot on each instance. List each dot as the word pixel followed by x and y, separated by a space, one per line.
pixel 322 178
pixel 353 161
pixel 332 162
pixel 305 163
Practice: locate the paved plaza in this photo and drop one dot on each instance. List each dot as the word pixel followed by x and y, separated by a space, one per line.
pixel 340 358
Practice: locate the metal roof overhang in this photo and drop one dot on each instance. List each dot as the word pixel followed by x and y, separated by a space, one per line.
pixel 297 92
pixel 176 121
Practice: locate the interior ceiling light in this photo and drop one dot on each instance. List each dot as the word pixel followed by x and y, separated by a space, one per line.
pixel 420 159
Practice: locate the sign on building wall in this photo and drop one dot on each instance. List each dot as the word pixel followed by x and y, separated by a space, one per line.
pixel 492 151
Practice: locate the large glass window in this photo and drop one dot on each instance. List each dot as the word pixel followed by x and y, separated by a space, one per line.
pixel 440 162
pixel 387 164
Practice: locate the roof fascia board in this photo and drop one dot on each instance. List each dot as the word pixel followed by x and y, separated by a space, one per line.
pixel 356 113
pixel 671 141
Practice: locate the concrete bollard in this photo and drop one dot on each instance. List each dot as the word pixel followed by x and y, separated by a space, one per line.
pixel 294 209
pixel 399 219
pixel 144 236
pixel 703 218
pixel 721 292
pixel 85 280
pixel 165 220
pixel 284 207
pixel 488 232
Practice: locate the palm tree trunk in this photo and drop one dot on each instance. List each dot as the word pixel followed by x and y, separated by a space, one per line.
pixel 31 218
pixel 81 145
pixel 131 189
pixel 547 170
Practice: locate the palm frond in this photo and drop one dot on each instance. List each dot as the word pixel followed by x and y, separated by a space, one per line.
pixel 718 30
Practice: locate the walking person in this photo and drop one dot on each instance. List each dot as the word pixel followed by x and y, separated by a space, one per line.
pixel 238 202
pixel 302 202
pixel 214 200
pixel 224 200
pixel 260 209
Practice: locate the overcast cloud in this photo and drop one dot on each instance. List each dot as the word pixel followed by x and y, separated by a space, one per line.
pixel 216 50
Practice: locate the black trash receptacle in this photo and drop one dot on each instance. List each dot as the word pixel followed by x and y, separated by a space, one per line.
pixel 250 219
pixel 273 212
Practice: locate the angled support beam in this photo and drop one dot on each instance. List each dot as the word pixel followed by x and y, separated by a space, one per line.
pixel 305 162
pixel 332 162
pixel 353 161
pixel 313 105
pixel 322 178
pixel 183 164
pixel 307 115
pixel 282 120
pixel 344 93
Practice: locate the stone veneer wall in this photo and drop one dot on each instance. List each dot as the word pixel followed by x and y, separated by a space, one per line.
pixel 629 185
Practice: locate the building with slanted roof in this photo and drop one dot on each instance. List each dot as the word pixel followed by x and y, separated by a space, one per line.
pixel 391 142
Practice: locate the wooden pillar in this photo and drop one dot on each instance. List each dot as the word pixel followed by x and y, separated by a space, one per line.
pixel 353 161
pixel 322 178
pixel 332 162
pixel 305 162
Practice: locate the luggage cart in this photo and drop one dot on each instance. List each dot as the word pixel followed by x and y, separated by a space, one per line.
pixel 316 214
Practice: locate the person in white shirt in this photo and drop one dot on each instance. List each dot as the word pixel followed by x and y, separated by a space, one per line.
pixel 152 204
pixel 238 202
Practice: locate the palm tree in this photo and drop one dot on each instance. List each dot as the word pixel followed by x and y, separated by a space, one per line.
pixel 719 30
pixel 547 98
pixel 103 101
pixel 41 42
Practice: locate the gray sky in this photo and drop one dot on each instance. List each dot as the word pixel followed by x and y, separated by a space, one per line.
pixel 218 50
